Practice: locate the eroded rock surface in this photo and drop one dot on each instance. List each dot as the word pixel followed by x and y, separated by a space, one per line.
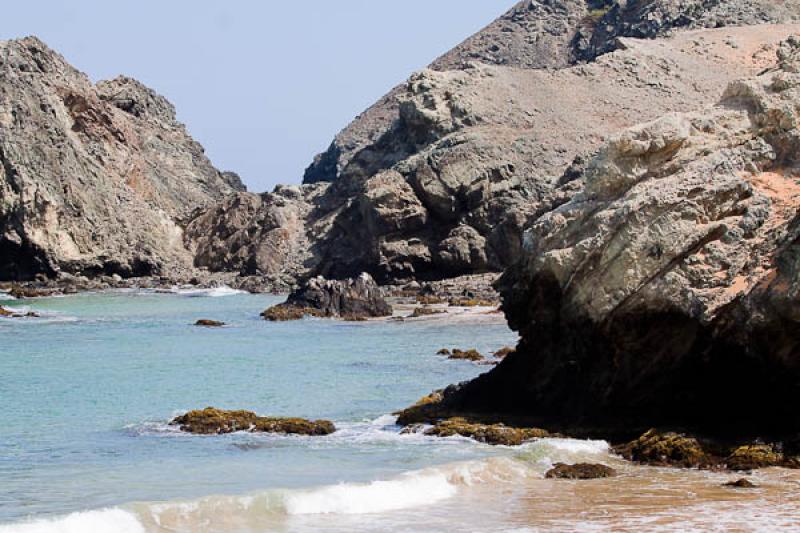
pixel 665 291
pixel 474 154
pixel 94 179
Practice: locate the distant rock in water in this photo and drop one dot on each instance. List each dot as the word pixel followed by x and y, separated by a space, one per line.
pixel 350 299
pixel 742 483
pixel 665 292
pixel 94 179
pixel 211 421
pixel 209 323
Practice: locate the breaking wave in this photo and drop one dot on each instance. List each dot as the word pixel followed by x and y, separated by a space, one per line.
pixel 103 521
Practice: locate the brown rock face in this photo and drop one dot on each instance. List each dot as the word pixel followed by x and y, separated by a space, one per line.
pixel 93 178
pixel 665 291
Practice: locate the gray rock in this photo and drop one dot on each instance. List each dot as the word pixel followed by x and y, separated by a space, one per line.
pixel 665 291
pixel 94 179
pixel 352 299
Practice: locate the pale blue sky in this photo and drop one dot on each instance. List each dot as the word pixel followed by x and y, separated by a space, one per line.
pixel 262 85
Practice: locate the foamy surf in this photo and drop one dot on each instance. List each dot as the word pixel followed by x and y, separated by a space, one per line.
pixel 102 521
pixel 215 292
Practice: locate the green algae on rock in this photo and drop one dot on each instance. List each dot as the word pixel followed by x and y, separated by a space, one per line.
pixel 212 421
pixel 753 456
pixel 665 449
pixel 494 434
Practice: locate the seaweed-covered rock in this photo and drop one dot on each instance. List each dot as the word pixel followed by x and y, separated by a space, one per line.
pixel 211 421
pixel 284 313
pixel 580 471
pixel 753 456
pixel 495 434
pixel 665 449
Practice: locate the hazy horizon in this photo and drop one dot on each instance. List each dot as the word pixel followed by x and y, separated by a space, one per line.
pixel 263 87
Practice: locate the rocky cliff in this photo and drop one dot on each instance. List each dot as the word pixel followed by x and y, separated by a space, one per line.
pixel 665 292
pixel 94 178
pixel 479 144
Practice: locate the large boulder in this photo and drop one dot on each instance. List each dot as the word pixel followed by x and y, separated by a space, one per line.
pixel 352 299
pixel 666 291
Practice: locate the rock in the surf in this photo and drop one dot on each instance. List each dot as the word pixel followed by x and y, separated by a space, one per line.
pixel 753 456
pixel 580 471
pixel 206 323
pixel 211 421
pixel 742 483
pixel 495 434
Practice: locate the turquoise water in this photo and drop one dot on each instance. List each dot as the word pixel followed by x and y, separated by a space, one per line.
pixel 86 392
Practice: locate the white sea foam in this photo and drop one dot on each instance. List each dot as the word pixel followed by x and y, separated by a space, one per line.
pixel 410 490
pixel 102 521
pixel 214 292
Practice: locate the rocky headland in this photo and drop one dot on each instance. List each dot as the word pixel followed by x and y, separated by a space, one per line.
pixel 664 292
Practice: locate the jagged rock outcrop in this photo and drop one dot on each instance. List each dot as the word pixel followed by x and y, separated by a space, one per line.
pixel 352 299
pixel 666 291
pixel 474 154
pixel 93 178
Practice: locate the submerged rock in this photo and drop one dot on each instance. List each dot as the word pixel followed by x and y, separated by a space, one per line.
pixel 580 471
pixel 7 313
pixel 352 299
pixel 211 421
pixel 742 483
pixel 284 313
pixel 209 323
pixel 494 434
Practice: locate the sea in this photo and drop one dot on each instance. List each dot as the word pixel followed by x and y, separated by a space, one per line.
pixel 88 388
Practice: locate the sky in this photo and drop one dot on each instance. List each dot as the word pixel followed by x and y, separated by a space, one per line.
pixel 263 85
